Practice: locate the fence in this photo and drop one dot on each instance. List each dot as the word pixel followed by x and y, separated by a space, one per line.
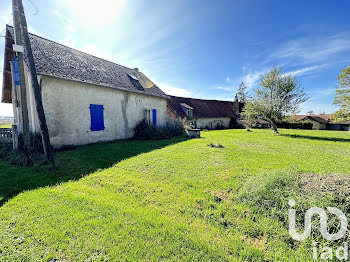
pixel 5 135
pixel 9 136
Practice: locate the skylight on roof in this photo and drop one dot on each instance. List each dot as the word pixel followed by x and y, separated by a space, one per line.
pixel 133 77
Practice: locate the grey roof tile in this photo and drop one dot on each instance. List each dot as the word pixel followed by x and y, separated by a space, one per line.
pixel 54 59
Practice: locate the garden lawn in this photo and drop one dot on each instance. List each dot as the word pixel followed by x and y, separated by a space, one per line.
pixel 161 200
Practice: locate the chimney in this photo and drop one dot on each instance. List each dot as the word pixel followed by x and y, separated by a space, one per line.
pixel 236 106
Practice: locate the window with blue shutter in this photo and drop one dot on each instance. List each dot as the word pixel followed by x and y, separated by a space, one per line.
pixel 96 114
pixel 154 117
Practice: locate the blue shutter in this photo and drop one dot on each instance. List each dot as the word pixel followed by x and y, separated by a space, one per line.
pixel 96 114
pixel 16 71
pixel 154 117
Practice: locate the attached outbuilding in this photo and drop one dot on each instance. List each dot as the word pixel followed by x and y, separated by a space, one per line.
pixel 203 114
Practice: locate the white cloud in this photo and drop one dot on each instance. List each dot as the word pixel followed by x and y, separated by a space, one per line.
pixel 156 61
pixel 68 25
pixel 34 31
pixel 94 13
pixel 175 91
pixel 317 100
pixel 330 91
pixel 304 71
pixel 71 28
pixel 225 88
pixel 92 49
pixel 67 42
pixel 317 107
pixel 311 49
pixel 6 109
pixel 5 14
pixel 251 79
pixel 222 97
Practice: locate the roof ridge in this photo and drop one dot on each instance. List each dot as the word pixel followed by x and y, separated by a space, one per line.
pixel 216 100
pixel 315 115
pixel 73 48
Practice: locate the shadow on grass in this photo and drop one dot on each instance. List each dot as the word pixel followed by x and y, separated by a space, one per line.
pixel 333 139
pixel 73 164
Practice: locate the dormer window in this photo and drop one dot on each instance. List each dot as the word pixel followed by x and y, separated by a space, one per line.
pixel 187 109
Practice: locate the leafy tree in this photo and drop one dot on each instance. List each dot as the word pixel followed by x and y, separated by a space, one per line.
pixel 310 112
pixel 242 93
pixel 342 96
pixel 249 116
pixel 277 96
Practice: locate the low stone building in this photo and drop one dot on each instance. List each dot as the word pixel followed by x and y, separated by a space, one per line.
pixel 86 99
pixel 323 122
pixel 203 114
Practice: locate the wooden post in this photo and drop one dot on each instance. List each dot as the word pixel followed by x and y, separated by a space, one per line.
pixel 36 88
pixel 14 137
pixel 23 91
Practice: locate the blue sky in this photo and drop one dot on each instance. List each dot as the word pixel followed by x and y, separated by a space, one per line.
pixel 204 48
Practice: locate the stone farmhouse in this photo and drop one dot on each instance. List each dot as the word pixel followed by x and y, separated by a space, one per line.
pixel 86 99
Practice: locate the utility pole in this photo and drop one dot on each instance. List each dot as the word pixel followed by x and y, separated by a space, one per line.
pixel 23 91
pixel 35 85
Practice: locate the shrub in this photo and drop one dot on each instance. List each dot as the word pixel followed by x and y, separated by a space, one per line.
pixel 150 132
pixel 19 158
pixel 35 143
pixel 216 145
pixel 234 124
pixel 219 126
pixel 301 125
pixel 269 194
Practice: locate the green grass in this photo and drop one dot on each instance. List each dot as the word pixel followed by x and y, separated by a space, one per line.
pixel 5 126
pixel 176 199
